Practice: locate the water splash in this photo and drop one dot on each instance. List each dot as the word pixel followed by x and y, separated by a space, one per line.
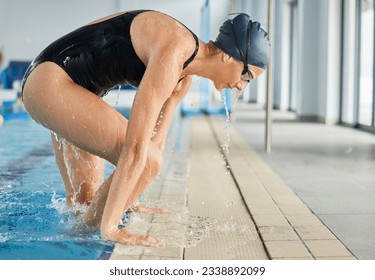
pixel 235 95
pixel 225 146
pixel 197 229
pixel 4 237
pixel 58 140
pixel 181 229
pixel 59 204
pixel 41 216
pixel 71 218
pixel 176 229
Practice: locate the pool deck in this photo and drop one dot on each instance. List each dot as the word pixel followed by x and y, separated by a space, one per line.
pixel 243 209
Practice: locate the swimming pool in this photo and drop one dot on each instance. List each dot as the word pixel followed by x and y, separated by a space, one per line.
pixel 34 222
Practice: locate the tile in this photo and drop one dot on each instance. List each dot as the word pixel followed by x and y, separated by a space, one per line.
pixel 150 258
pixel 315 232
pixel 287 199
pixel 270 220
pixel 128 250
pixel 174 199
pixel 327 248
pixel 174 190
pixel 264 209
pixel 226 248
pixel 171 218
pixel 136 228
pixel 289 259
pixel 254 198
pixel 173 252
pixel 175 240
pixel 294 208
pixel 251 250
pixel 337 258
pixel 298 220
pixel 123 257
pixel 278 233
pixel 276 187
pixel 286 249
pixel 144 217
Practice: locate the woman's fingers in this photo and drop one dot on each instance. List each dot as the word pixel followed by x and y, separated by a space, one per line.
pixel 127 238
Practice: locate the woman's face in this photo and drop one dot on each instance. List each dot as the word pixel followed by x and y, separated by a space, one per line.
pixel 230 76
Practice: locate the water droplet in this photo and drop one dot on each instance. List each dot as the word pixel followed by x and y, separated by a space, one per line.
pixel 118 94
pixel 66 60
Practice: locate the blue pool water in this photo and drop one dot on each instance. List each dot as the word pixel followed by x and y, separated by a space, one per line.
pixel 34 222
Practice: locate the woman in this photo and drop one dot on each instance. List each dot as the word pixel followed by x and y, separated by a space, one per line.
pixel 63 86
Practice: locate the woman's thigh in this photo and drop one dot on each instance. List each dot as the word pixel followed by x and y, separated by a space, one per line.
pixel 74 113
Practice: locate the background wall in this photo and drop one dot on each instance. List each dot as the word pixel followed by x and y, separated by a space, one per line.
pixel 27 26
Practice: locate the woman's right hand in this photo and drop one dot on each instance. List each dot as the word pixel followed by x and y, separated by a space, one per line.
pixel 123 236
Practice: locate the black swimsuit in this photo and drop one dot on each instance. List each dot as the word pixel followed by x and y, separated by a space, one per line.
pixel 99 56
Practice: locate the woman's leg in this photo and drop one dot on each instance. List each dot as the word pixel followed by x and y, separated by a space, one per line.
pixel 81 171
pixel 74 113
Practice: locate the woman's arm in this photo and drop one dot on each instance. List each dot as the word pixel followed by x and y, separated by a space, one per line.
pixel 167 112
pixel 159 140
pixel 159 80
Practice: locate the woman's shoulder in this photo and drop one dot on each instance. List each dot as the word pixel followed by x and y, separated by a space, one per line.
pixel 159 25
pixel 152 31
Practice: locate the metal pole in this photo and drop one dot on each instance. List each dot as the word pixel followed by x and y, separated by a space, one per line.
pixel 269 103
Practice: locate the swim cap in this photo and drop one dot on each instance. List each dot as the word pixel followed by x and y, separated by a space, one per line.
pixel 244 40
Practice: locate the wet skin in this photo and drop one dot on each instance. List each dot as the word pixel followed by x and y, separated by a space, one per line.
pixel 100 132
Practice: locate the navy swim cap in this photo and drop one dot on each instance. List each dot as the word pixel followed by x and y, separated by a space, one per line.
pixel 244 40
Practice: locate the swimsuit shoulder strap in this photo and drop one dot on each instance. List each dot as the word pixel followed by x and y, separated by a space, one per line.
pixel 191 58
